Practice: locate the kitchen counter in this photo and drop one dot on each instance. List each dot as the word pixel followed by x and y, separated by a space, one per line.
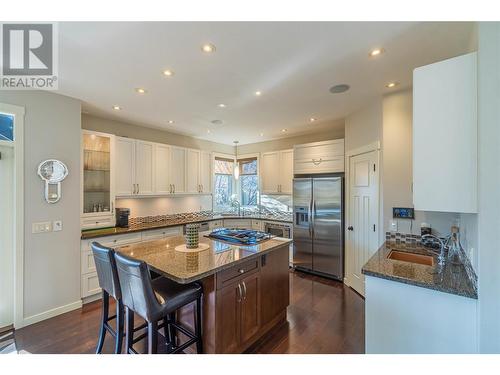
pixel 246 289
pixel 454 279
pixel 94 233
pixel 184 267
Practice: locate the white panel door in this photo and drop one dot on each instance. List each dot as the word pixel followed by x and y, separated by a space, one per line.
pixel 206 172
pixel 286 172
pixel 125 166
pixel 162 169
pixel 270 165
pixel 193 171
pixel 362 226
pixel 178 169
pixel 144 176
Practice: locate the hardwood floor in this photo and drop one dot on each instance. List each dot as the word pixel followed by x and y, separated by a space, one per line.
pixel 324 316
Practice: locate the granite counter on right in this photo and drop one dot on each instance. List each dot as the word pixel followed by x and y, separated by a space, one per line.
pixel 419 308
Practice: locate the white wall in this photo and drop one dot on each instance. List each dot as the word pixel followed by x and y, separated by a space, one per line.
pixel 364 126
pixel 489 186
pixel 51 260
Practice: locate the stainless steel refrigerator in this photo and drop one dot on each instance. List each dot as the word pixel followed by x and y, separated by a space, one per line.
pixel 318 225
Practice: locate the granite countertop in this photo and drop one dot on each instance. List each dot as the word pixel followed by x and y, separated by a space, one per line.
pixel 458 279
pixel 183 267
pixel 94 233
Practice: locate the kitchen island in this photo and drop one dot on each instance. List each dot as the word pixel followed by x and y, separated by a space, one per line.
pixel 246 288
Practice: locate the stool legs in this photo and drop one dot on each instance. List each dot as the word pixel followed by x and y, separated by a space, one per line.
pixel 129 330
pixel 152 337
pixel 119 327
pixel 104 321
pixel 199 341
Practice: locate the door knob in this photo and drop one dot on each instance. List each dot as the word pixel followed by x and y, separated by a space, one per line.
pixel 350 228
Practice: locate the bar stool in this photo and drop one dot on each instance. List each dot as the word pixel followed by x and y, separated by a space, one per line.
pixel 154 301
pixel 108 281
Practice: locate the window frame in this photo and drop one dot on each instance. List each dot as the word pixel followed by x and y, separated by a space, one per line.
pixel 236 184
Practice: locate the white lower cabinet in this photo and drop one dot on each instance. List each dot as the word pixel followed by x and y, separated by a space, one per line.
pixel 238 223
pixel 215 224
pixel 89 281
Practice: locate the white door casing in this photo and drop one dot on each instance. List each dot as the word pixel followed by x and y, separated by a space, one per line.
pixel 362 224
pixel 6 236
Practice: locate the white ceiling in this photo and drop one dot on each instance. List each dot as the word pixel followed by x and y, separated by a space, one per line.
pixel 293 64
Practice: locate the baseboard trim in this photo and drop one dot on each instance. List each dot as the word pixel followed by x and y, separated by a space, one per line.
pixel 50 314
pixel 90 299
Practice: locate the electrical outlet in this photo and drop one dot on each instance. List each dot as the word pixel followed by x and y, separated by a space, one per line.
pixel 57 226
pixel 42 227
pixel 394 225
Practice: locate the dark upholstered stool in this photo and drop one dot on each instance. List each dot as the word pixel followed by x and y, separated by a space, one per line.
pixel 105 264
pixel 155 301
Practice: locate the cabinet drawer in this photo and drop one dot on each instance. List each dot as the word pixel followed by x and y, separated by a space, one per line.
pixel 215 224
pixel 237 223
pixel 320 165
pixel 90 285
pixel 155 234
pixel 97 222
pixel 230 275
pixel 113 241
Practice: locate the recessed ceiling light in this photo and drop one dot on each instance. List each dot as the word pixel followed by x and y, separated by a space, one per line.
pixel 168 73
pixel 171 122
pixel 390 85
pixel 376 52
pixel 312 119
pixel 217 122
pixel 140 90
pixel 258 93
pixel 221 105
pixel 208 48
pixel 117 107
pixel 284 130
pixel 338 89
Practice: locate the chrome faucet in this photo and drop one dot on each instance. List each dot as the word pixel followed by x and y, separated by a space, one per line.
pixel 441 257
pixel 237 203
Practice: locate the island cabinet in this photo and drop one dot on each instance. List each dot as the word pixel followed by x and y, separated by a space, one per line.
pixel 243 303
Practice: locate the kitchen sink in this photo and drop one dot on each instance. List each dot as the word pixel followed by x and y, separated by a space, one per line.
pixel 403 256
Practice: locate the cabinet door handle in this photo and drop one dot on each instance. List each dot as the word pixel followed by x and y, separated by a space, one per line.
pixel 138 188
pixel 174 188
pixel 239 293
pixel 201 189
pixel 244 291
pixel 317 162
pixel 133 188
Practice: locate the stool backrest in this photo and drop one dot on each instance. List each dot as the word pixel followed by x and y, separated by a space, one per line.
pixel 105 264
pixel 137 291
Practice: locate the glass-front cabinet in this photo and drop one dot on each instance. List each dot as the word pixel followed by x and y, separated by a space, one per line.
pixel 98 198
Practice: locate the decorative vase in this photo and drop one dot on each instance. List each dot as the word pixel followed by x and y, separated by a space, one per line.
pixel 192 235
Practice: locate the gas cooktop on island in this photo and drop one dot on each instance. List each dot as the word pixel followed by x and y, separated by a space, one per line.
pixel 240 236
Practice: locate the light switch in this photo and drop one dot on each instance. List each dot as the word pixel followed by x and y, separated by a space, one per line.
pixel 57 226
pixel 42 227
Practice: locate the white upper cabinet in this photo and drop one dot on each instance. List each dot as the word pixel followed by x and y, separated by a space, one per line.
pixel 205 172
pixel 286 170
pixel 445 136
pixel 144 168
pixel 178 169
pixel 125 166
pixel 192 171
pixel 97 180
pixel 162 169
pixel 277 172
pixel 269 166
pixel 319 157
